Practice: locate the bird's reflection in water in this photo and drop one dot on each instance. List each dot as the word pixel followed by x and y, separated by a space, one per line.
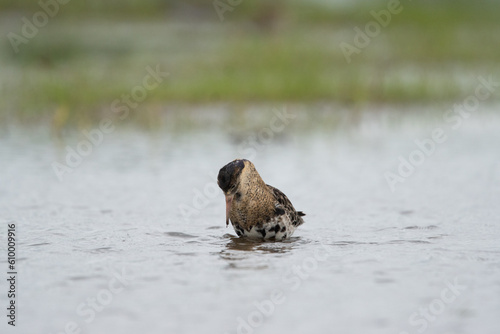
pixel 244 253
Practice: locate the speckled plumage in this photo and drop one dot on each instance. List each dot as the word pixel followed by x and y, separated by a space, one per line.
pixel 255 209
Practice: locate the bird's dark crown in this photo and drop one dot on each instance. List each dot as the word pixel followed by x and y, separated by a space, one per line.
pixel 229 175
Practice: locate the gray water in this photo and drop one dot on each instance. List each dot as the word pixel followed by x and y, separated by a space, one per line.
pixel 134 239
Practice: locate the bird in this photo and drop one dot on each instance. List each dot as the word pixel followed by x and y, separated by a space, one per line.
pixel 256 210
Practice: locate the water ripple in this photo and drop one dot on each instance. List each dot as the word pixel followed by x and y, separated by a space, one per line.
pixel 179 235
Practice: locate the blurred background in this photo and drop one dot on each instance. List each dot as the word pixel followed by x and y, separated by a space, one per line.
pixel 67 73
pixel 116 115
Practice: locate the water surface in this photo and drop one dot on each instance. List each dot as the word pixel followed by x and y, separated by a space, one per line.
pixel 134 239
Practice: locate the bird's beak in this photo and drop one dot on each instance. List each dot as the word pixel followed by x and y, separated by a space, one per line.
pixel 229 202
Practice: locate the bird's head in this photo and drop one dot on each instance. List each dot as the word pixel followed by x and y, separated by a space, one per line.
pixel 229 176
pixel 229 180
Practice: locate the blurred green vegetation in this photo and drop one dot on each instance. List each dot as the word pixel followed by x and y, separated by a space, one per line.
pixel 93 52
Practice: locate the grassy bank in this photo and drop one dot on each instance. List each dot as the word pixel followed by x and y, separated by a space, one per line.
pixel 86 58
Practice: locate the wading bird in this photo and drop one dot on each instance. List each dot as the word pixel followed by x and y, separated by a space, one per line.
pixel 255 209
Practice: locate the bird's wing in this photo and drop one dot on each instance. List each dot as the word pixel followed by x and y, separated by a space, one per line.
pixel 283 205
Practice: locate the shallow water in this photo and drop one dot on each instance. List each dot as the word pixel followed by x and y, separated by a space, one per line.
pixel 134 239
